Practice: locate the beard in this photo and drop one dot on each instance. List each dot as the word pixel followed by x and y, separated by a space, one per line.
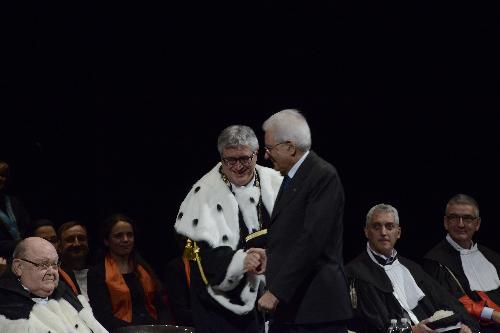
pixel 75 256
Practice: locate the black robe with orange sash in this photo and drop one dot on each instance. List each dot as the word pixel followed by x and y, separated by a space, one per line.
pixel 101 300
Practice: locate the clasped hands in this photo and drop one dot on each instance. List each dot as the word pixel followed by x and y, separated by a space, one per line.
pixel 255 261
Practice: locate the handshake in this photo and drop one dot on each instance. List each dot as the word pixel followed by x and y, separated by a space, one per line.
pixel 255 261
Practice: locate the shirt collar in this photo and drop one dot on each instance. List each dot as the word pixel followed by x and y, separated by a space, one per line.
pixel 34 298
pixel 297 165
pixel 457 246
pixel 382 259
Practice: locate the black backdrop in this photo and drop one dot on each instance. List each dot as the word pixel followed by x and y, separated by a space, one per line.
pixel 117 109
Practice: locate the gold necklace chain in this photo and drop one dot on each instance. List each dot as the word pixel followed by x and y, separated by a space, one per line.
pixel 256 184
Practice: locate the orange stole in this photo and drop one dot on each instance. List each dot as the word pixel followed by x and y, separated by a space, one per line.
pixel 475 308
pixel 121 301
pixel 187 270
pixel 68 280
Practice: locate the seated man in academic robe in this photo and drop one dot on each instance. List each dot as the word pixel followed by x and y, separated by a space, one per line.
pixel 387 286
pixel 466 269
pixel 74 252
pixel 33 301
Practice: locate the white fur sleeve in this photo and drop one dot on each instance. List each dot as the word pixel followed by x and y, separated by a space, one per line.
pixel 14 326
pixel 235 272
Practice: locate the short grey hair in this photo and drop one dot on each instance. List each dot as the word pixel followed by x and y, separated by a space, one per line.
pixel 385 208
pixel 289 125
pixel 462 199
pixel 236 136
pixel 20 250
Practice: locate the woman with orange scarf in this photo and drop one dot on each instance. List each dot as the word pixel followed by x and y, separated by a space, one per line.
pixel 123 290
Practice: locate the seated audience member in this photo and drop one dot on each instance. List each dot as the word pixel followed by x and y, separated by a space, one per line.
pixel 385 285
pixel 466 269
pixel 122 288
pixel 45 229
pixel 3 265
pixel 14 220
pixel 177 281
pixel 32 300
pixel 74 251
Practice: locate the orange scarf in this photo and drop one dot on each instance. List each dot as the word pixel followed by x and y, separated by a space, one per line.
pixel 475 308
pixel 121 301
pixel 68 280
pixel 187 270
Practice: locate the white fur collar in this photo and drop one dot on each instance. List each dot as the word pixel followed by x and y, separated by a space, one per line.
pixel 56 316
pixel 210 211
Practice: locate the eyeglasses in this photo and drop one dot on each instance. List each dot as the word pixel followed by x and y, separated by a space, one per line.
pixel 42 266
pixel 244 160
pixel 378 226
pixel 467 219
pixel 269 148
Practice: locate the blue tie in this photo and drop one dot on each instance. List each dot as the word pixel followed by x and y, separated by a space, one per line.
pixel 286 181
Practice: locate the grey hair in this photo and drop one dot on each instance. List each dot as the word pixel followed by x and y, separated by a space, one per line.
pixel 385 208
pixel 462 199
pixel 20 250
pixel 236 136
pixel 289 125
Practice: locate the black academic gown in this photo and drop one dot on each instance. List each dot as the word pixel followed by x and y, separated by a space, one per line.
pixel 376 305
pixel 443 257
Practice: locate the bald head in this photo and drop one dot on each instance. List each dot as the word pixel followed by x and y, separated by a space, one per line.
pixel 35 263
pixel 33 245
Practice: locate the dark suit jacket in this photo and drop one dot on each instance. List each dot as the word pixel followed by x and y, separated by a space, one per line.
pixel 305 267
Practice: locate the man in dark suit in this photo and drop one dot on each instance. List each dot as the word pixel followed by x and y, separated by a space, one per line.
pixel 306 285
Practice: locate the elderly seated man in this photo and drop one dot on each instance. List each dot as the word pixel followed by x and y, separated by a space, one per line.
pixel 33 301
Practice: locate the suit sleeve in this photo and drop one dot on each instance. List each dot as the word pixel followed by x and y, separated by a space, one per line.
pixel 323 211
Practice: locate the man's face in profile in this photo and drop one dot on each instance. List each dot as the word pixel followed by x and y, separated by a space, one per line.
pixel 37 269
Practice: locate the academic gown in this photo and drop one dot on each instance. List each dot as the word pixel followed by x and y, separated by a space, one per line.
pixel 443 257
pixel 375 305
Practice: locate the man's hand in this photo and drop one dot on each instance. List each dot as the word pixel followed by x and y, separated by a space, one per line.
pixel 268 302
pixel 262 257
pixel 496 317
pixel 464 329
pixel 251 262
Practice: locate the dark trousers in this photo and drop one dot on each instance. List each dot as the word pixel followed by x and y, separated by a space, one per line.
pixel 490 328
pixel 328 327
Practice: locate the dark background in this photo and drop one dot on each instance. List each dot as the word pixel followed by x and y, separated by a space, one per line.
pixel 118 108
